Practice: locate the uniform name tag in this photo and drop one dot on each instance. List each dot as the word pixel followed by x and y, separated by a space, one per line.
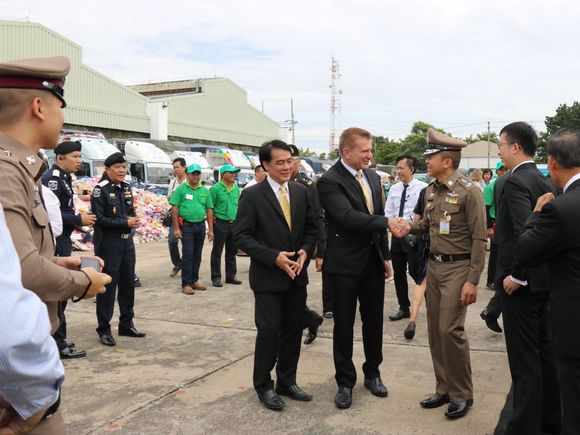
pixel 443 227
pixel 188 196
pixel 451 200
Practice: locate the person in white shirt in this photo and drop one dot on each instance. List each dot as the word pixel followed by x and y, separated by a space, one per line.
pixel 179 166
pixel 259 176
pixel 52 205
pixel 401 202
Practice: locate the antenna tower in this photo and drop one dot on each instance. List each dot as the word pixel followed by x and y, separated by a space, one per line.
pixel 335 105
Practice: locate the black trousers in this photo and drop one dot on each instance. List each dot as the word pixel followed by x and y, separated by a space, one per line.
pixel 119 257
pixel 279 317
pixel 312 319
pixel 494 304
pixel 369 289
pixel 569 373
pixel 63 249
pixel 401 258
pixel 223 236
pixel 492 263
pixel 327 293
pixel 536 390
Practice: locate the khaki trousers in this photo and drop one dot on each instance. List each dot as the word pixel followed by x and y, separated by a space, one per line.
pixel 51 426
pixel 445 322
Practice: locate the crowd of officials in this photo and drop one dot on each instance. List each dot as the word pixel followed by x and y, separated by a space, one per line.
pixel 282 221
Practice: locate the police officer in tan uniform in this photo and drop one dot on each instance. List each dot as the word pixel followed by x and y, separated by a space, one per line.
pixel 31 116
pixel 455 220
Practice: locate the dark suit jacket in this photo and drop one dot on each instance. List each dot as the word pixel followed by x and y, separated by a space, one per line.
pixel 351 229
pixel 261 231
pixel 553 236
pixel 517 197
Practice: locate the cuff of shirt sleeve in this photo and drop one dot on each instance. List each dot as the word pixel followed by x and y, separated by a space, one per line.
pixel 30 406
pixel 518 281
pixel 473 277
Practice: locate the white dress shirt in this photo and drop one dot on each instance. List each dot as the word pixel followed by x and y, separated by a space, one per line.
pixel 395 195
pixel 276 188
pixel 52 205
pixel 30 368
pixel 353 173
pixel 570 181
pixel 250 183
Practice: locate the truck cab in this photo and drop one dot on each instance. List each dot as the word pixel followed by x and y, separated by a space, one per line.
pixel 195 157
pixel 147 163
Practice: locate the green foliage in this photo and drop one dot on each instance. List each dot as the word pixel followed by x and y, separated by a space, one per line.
pixel 307 153
pixel 322 156
pixel 482 136
pixel 566 116
pixel 333 155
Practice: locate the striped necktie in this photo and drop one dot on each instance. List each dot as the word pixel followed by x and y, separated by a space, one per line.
pixel 366 193
pixel 285 204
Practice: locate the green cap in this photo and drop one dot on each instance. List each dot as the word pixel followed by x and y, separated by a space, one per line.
pixel 499 165
pixel 193 168
pixel 229 168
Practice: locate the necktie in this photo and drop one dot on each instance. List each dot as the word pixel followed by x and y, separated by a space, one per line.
pixel 403 200
pixel 366 193
pixel 285 204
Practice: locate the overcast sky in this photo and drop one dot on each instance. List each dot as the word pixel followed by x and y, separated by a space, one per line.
pixel 451 63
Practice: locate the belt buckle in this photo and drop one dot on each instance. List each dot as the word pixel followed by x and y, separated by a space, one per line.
pixel 125 236
pixel 439 258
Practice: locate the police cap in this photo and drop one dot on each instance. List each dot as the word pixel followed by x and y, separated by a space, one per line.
pixel 114 159
pixel 437 142
pixel 45 73
pixel 68 147
pixel 294 150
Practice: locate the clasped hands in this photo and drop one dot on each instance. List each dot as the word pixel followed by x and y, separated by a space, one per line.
pixel 291 267
pixel 399 227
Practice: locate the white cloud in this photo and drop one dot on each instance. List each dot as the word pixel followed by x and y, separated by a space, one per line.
pixel 450 63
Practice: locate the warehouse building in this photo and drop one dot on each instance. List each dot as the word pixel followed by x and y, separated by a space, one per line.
pixel 212 110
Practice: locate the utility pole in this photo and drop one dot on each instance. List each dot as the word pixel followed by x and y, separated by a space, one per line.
pixel 292 121
pixel 488 145
pixel 335 105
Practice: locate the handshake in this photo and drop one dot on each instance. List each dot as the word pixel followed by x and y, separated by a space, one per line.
pixel 399 227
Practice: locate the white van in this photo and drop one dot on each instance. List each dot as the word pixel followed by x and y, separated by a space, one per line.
pixel 147 163
pixel 195 157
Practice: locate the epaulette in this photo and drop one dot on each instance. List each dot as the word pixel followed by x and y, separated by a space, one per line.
pixel 103 183
pixel 467 183
pixel 55 173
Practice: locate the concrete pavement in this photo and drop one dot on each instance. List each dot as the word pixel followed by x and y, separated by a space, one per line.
pixel 192 374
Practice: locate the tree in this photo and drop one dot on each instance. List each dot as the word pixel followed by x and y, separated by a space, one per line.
pixel 307 153
pixel 566 116
pixel 482 136
pixel 322 156
pixel 333 155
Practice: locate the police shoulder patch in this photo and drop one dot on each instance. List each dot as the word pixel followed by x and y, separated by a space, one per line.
pixel 103 183
pixel 96 192
pixel 55 173
pixel 53 185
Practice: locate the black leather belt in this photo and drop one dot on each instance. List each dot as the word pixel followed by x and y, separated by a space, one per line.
pixel 442 258
pixel 192 223
pixel 224 220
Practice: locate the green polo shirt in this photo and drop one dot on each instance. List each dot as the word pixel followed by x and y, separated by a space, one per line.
pixel 192 203
pixel 488 197
pixel 225 201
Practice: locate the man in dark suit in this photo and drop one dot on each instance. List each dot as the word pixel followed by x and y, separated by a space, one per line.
pixel 536 395
pixel 275 227
pixel 552 235
pixel 357 260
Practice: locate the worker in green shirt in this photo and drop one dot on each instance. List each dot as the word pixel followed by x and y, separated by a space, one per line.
pixel 192 206
pixel 225 195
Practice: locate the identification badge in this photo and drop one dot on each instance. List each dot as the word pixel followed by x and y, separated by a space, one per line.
pixel 188 196
pixel 451 200
pixel 444 227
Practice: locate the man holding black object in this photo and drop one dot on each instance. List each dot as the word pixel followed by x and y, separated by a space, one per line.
pixel 112 203
pixel 275 227
pixel 58 180
pixel 551 235
pixel 356 260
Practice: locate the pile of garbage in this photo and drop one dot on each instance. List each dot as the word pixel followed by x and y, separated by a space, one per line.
pixel 150 208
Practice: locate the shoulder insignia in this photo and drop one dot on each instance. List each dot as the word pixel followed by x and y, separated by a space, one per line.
pixel 96 192
pixel 7 153
pixel 53 185
pixel 103 183
pixel 31 160
pixel 55 173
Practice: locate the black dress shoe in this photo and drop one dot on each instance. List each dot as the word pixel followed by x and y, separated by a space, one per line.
pixel 131 332
pixel 435 401
pixel 458 409
pixel 70 352
pixel 311 336
pixel 410 331
pixel 71 344
pixel 137 282
pixel 271 400
pixel 376 386
pixel 107 340
pixel 490 286
pixel 217 283
pixel 401 314
pixel 491 321
pixel 294 392
pixel 233 280
pixel 343 398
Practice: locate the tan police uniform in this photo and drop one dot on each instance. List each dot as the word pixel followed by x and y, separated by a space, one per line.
pixel 21 198
pixel 455 220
